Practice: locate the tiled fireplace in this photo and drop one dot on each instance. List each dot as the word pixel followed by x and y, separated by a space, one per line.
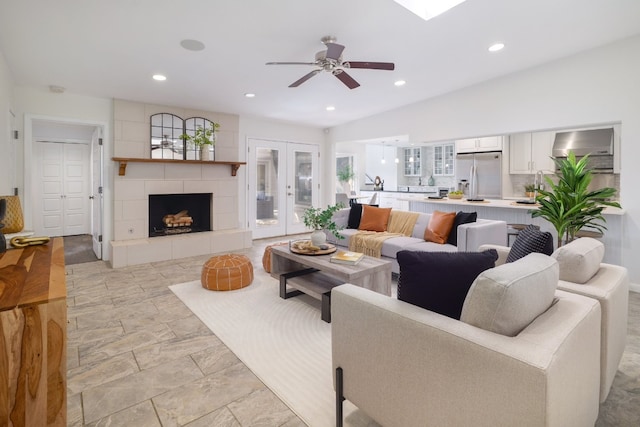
pixel 132 244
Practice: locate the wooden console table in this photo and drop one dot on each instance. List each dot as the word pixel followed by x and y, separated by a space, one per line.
pixel 33 336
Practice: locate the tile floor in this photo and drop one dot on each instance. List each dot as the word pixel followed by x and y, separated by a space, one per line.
pixel 138 357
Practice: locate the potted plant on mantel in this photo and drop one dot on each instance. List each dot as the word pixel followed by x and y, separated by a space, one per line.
pixel 319 220
pixel 569 205
pixel 202 139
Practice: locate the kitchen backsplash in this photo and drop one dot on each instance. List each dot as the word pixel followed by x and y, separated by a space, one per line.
pixel 599 180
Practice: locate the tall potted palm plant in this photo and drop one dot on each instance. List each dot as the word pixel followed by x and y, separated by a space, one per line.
pixel 569 205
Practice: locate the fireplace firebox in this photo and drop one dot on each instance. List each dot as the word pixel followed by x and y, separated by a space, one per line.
pixel 179 213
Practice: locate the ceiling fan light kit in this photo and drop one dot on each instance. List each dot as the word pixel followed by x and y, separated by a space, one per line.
pixel 331 61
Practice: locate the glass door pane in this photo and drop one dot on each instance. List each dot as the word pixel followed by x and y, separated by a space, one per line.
pixel 267 204
pixel 302 184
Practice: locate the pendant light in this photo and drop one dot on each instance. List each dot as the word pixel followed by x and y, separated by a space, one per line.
pixel 383 161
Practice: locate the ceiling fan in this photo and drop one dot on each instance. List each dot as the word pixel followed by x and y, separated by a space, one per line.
pixel 330 60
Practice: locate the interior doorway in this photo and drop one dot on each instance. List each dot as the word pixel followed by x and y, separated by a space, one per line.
pixel 65 180
pixel 283 182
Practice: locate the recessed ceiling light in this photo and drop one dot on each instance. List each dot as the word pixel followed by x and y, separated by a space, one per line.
pixel 331 108
pixel 400 83
pixel 159 77
pixel 192 45
pixel 250 95
pixel 496 47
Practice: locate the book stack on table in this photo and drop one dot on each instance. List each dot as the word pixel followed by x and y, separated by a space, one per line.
pixel 344 257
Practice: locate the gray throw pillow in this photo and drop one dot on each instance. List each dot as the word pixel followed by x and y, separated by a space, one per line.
pixel 507 298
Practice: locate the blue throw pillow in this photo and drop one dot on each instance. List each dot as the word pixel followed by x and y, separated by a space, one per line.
pixel 439 281
pixel 461 218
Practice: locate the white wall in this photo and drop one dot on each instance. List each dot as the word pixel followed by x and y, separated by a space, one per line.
pixel 32 103
pixel 7 146
pixel 594 87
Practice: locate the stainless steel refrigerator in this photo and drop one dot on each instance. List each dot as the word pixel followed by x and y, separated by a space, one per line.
pixel 488 174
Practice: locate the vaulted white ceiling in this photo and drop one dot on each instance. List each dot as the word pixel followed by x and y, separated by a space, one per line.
pixel 112 48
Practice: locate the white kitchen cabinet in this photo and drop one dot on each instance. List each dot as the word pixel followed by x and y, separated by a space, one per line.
pixel 385 199
pixel 473 145
pixel 443 160
pixel 412 161
pixel 531 152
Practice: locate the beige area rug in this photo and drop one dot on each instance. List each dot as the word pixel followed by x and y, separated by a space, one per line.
pixel 283 342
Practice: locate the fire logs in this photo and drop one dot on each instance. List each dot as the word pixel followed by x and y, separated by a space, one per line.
pixel 181 219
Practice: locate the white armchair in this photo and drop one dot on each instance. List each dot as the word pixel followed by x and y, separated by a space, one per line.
pixel 583 273
pixel 406 366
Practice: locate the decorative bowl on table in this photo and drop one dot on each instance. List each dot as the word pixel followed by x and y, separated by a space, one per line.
pixel 454 196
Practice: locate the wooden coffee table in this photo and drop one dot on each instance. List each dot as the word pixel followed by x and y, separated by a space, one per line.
pixel 315 275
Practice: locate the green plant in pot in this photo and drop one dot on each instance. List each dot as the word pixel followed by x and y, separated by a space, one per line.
pixel 529 190
pixel 319 220
pixel 202 139
pixel 345 175
pixel 569 205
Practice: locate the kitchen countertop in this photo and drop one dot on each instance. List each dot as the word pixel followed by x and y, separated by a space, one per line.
pixel 496 203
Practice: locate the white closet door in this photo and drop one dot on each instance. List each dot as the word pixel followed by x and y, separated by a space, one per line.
pixel 62 207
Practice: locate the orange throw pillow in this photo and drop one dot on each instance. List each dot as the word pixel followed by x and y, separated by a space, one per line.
pixel 374 219
pixel 439 227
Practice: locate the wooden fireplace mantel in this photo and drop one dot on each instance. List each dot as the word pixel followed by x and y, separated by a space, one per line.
pixel 125 160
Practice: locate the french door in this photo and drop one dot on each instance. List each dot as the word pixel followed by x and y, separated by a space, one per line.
pixel 283 183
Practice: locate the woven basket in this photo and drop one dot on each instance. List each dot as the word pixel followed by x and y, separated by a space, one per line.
pixel 13 220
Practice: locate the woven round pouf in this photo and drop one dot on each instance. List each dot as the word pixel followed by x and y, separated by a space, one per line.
pixel 227 272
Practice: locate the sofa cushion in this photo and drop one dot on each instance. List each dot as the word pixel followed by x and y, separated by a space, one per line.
pixel 439 281
pixel 530 240
pixel 354 216
pixel 374 219
pixel 461 218
pixel 439 227
pixel 421 225
pixel 393 245
pixel 579 260
pixel 505 299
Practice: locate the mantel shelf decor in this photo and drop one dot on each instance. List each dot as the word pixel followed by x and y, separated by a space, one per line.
pixel 125 160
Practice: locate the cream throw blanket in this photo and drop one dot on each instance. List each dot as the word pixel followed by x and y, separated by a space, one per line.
pixel 370 242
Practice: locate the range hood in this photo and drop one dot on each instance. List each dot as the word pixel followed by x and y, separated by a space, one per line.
pixel 596 142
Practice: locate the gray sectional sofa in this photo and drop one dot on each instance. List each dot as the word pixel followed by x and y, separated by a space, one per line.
pixel 470 237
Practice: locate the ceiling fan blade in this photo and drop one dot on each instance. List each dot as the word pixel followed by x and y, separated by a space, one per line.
pixel 290 63
pixel 347 80
pixel 334 51
pixel 371 65
pixel 304 78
